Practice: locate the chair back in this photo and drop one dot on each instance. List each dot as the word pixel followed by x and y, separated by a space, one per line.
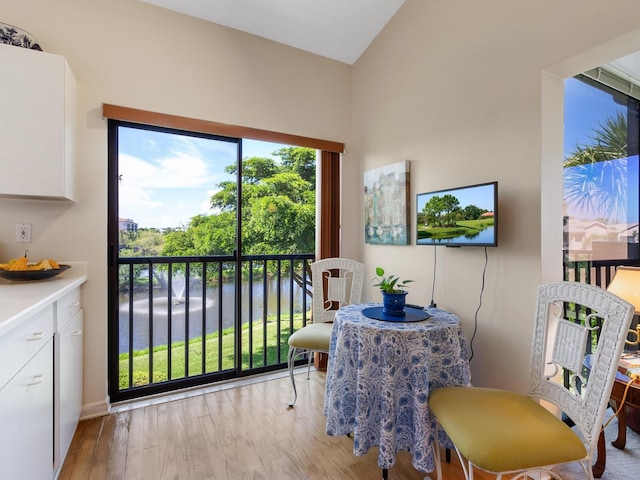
pixel 568 316
pixel 336 282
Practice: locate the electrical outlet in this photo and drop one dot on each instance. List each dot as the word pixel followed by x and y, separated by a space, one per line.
pixel 23 232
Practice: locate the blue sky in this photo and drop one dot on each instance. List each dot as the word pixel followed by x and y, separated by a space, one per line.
pixel 167 179
pixel 586 108
pixel 481 197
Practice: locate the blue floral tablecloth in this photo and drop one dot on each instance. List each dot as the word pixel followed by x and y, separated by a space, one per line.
pixel 379 377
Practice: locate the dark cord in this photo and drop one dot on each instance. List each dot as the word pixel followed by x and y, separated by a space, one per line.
pixel 475 320
pixel 433 285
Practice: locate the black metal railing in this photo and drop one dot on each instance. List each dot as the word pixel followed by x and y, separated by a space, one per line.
pixel 593 272
pixel 178 318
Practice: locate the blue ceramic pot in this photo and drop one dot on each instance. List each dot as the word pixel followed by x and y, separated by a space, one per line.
pixel 393 303
pixel 17 37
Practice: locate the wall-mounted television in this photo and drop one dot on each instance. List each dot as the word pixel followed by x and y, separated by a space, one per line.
pixel 458 217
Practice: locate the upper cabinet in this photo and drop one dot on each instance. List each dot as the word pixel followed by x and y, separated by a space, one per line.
pixel 37 124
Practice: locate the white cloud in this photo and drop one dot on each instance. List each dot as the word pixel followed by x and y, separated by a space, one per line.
pixel 135 198
pixel 180 170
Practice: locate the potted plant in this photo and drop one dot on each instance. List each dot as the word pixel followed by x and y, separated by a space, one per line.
pixel 393 292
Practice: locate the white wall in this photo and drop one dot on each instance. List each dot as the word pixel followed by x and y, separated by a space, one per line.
pixel 456 87
pixel 130 53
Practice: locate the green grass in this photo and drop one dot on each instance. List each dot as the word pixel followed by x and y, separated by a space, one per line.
pixel 219 353
pixel 463 227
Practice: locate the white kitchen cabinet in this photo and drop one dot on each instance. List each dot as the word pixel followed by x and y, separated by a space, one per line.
pixel 37 125
pixel 68 364
pixel 41 346
pixel 20 344
pixel 26 410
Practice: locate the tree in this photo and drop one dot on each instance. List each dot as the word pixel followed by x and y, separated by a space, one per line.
pixel 145 242
pixel 225 199
pixel 178 243
pixel 433 210
pixel 471 212
pixel 450 204
pixel 278 210
pixel 255 169
pixel 595 175
pixel 299 160
pixel 292 186
pixel 279 223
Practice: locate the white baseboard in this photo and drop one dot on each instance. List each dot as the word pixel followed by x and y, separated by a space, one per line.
pixel 95 409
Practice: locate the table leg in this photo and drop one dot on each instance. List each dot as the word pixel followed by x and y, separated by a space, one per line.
pixel 385 474
pixel 601 462
pixel 621 441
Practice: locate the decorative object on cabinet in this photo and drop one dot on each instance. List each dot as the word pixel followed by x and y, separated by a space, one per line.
pixel 387 205
pixel 17 37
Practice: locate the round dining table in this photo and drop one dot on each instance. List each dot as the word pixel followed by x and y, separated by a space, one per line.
pixel 379 376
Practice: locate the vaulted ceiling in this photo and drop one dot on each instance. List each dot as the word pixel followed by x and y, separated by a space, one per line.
pixel 337 29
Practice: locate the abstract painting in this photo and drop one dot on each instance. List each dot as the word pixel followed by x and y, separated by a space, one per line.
pixel 387 206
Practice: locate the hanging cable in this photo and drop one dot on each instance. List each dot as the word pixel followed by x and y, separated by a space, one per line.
pixel 433 284
pixel 475 319
pixel 624 399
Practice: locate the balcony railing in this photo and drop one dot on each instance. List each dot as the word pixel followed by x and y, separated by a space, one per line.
pixel 593 272
pixel 177 318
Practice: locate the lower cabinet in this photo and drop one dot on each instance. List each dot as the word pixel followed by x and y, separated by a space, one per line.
pixel 41 390
pixel 68 385
pixel 26 420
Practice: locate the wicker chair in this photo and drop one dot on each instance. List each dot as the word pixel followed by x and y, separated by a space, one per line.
pixel 336 282
pixel 508 433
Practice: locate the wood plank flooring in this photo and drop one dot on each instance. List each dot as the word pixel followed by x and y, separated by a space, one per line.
pixel 241 433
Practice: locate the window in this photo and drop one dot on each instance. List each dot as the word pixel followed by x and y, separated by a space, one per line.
pixel 600 181
pixel 192 298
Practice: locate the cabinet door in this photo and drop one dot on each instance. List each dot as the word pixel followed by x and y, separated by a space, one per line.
pixel 70 382
pixel 26 419
pixel 37 94
pixel 19 345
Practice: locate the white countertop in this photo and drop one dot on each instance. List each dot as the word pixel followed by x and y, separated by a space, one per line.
pixel 19 299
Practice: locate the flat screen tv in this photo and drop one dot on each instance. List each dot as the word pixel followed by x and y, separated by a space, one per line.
pixel 458 217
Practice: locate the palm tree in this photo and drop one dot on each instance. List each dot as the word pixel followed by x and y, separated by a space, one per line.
pixel 595 175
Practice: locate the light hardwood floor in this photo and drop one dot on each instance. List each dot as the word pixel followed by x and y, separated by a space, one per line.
pixel 240 433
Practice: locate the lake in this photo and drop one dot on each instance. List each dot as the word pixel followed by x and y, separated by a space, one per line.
pixel 209 308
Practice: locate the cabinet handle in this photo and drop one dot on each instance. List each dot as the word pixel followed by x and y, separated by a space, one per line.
pixel 35 336
pixel 76 333
pixel 36 380
pixel 74 304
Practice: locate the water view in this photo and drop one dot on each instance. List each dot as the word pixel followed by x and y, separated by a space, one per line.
pixel 482 237
pixel 202 310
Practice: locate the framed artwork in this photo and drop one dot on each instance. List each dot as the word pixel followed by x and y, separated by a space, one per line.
pixel 387 207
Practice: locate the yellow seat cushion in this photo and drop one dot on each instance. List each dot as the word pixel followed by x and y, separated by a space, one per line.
pixel 315 336
pixel 502 431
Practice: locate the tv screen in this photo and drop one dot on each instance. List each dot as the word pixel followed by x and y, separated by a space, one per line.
pixel 458 217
